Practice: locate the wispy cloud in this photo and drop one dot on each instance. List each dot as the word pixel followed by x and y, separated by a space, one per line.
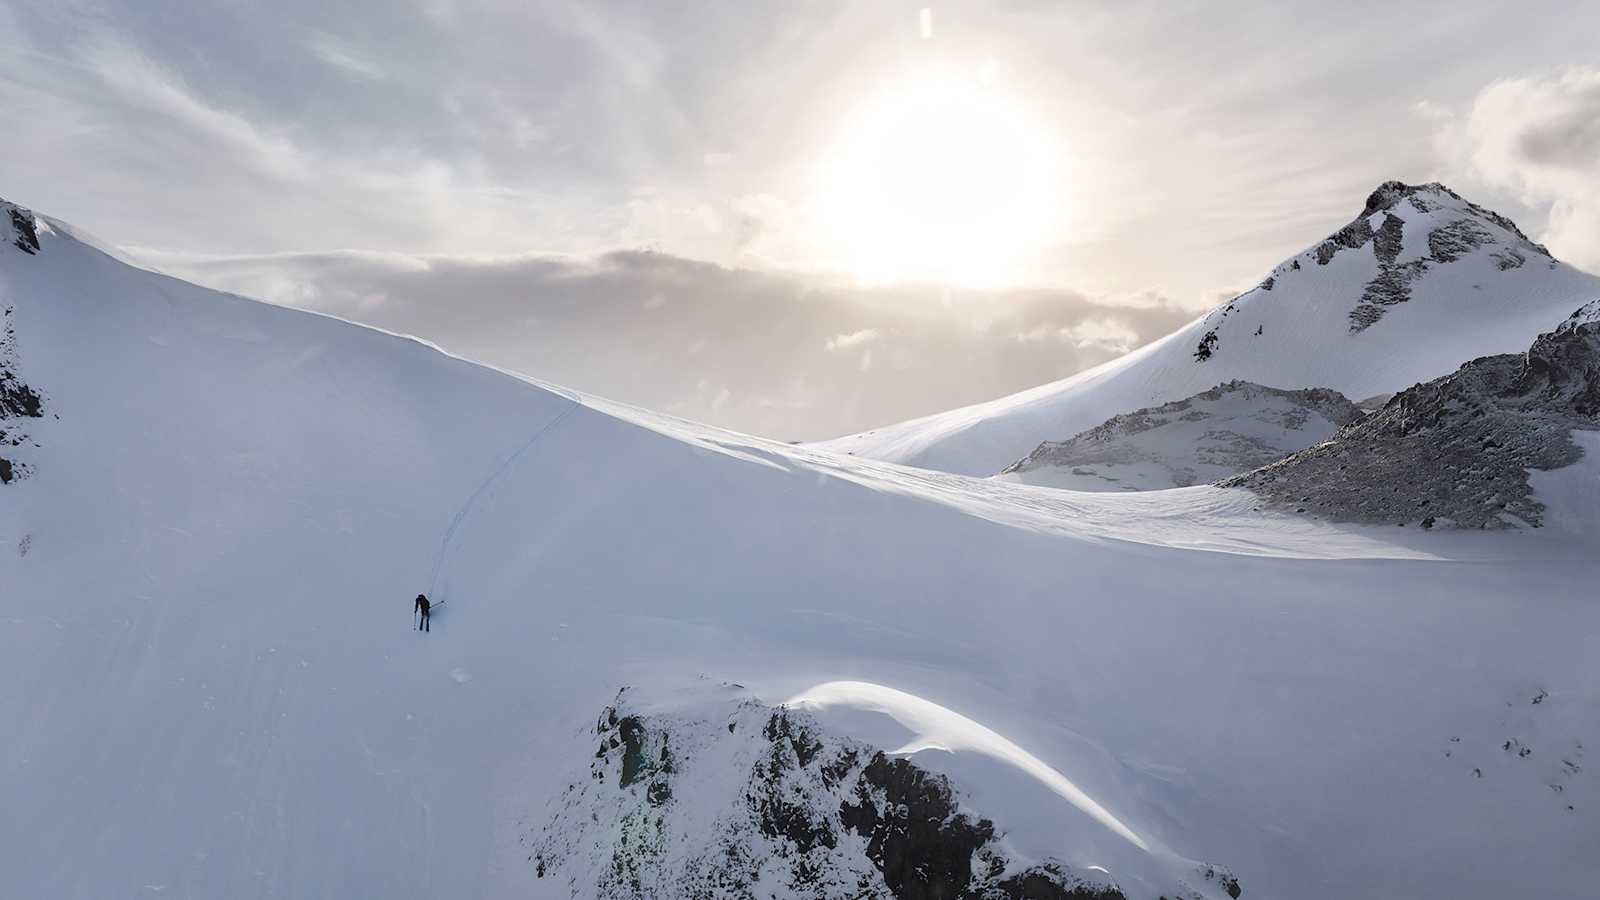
pixel 852 339
pixel 341 55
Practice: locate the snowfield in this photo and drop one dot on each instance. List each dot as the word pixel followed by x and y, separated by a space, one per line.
pixel 1418 283
pixel 213 687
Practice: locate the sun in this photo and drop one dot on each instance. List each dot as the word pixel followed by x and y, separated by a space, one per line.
pixel 942 179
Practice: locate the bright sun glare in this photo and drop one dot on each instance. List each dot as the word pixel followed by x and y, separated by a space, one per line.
pixel 944 179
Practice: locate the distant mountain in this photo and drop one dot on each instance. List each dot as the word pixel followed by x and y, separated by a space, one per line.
pixel 1457 451
pixel 1231 428
pixel 1419 281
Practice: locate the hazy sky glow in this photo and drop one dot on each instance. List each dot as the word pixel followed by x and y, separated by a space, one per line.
pixel 1113 152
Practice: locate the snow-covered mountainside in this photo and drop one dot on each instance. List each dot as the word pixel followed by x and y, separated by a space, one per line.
pixel 1458 450
pixel 1232 428
pixel 1417 283
pixel 213 687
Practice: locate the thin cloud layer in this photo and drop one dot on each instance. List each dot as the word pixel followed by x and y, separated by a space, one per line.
pixel 491 127
pixel 789 356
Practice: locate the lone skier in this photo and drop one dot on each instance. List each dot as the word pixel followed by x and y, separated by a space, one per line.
pixel 422 607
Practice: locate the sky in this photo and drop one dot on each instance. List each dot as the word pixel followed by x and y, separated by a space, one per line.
pixel 798 219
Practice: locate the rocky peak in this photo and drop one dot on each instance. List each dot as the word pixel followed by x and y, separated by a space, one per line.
pixel 1450 226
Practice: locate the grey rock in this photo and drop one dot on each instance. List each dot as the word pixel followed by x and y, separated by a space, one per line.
pixel 1455 451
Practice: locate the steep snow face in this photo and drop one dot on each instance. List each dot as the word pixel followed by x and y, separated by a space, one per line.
pixel 1231 428
pixel 1418 282
pixel 213 687
pixel 1456 451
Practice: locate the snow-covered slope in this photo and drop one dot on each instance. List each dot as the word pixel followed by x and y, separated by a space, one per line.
pixel 213 689
pixel 1229 429
pixel 1417 283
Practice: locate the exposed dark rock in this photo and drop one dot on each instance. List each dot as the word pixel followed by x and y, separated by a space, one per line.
pixel 1050 882
pixel 634 762
pixel 791 746
pixel 1350 237
pixel 1508 259
pixel 27 235
pixel 1387 242
pixel 919 841
pixel 1208 345
pixel 1391 286
pixel 1453 240
pixel 805 744
pixel 1455 451
pixel 17 401
pixel 787 823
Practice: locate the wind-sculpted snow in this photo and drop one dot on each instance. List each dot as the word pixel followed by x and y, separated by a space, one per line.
pixel 1231 428
pixel 938 727
pixel 718 795
pixel 214 687
pixel 1419 282
pixel 1455 451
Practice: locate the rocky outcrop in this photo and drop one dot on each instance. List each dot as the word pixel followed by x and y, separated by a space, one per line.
pixel 753 801
pixel 1455 451
pixel 18 402
pixel 25 234
pixel 1232 428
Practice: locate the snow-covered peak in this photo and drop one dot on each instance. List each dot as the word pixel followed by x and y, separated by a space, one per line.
pixel 1409 232
pixel 1419 281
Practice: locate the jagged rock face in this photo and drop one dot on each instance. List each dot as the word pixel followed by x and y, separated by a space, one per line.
pixel 24 229
pixel 1231 428
pixel 17 401
pixel 1455 451
pixel 754 801
pixel 25 233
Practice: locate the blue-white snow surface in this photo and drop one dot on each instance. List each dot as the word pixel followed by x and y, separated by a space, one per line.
pixel 210 685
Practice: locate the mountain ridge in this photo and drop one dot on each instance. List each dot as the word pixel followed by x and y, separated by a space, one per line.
pixel 1383 302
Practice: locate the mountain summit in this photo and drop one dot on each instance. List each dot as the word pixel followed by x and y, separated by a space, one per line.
pixel 1419 281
